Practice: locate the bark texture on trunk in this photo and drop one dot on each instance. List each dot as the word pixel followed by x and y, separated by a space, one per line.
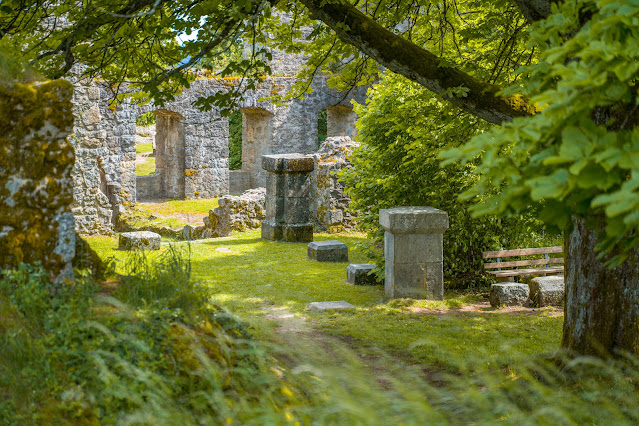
pixel 602 304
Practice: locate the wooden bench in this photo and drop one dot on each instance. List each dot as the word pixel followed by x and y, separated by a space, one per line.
pixel 505 271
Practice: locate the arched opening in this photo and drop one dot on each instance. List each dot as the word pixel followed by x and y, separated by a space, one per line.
pixel 239 180
pixel 160 172
pixel 340 121
pixel 170 153
pixel 145 144
pixel 322 127
pixel 235 141
pixel 257 132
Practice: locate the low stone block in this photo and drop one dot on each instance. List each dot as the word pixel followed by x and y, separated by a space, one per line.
pixel 545 291
pixel 361 274
pixel 328 251
pixel 329 306
pixel 139 240
pixel 509 294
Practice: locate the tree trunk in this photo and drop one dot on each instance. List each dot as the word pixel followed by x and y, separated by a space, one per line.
pixel 602 304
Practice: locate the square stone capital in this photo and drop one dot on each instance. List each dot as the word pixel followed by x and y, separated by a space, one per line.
pixel 288 163
pixel 413 220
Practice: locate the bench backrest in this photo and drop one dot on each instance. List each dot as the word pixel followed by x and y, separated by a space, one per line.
pixel 523 252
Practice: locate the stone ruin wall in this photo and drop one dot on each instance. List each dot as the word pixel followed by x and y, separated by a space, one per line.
pixel 36 185
pixel 191 145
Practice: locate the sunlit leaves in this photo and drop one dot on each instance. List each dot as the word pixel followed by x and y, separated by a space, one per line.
pixel 580 156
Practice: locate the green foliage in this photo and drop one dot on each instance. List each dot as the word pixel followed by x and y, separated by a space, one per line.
pixel 146 119
pixel 578 157
pixel 403 128
pixel 14 67
pixel 235 141
pixel 143 43
pixel 77 357
pixel 322 127
pixel 398 361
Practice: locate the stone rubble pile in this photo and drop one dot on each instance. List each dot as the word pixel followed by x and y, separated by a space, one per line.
pixel 330 203
pixel 236 213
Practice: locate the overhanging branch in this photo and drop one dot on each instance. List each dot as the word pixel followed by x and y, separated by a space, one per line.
pixel 415 63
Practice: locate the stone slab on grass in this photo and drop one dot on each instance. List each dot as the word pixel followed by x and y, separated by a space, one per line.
pixel 328 251
pixel 329 306
pixel 361 274
pixel 509 294
pixel 545 291
pixel 139 240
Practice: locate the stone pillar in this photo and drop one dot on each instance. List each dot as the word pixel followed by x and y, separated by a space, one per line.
pixel 413 249
pixel 288 202
pixel 36 184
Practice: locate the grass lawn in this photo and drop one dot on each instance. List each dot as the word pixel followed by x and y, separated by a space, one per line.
pixel 143 148
pixel 171 213
pixel 252 278
pixel 169 207
pixel 147 167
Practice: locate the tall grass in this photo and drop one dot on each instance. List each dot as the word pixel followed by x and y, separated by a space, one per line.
pixel 165 282
pixel 155 352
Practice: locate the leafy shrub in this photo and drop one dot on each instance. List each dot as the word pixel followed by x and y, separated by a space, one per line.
pixel 77 356
pixel 402 129
pixel 235 141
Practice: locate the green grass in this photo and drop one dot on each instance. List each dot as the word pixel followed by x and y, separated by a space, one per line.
pixel 199 206
pixel 256 275
pixel 147 168
pixel 137 219
pixel 143 148
pixel 172 213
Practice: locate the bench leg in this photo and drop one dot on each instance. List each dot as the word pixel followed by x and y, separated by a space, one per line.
pixel 505 279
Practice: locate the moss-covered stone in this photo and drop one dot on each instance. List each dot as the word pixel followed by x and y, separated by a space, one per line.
pixel 36 189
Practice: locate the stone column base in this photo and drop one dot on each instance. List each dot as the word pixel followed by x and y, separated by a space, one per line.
pixel 296 233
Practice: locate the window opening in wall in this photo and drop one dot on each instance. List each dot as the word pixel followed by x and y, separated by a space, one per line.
pixel 145 144
pixel 322 127
pixel 235 141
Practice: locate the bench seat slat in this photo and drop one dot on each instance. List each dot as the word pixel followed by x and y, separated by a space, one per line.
pixel 522 252
pixel 530 271
pixel 516 263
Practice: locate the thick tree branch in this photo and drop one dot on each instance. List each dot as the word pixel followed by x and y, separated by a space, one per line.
pixel 415 63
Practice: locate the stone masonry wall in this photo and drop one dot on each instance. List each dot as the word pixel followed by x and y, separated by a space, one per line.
pixel 36 185
pixel 192 145
pixel 330 203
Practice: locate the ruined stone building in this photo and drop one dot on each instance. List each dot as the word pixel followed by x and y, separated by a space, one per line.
pixel 192 145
